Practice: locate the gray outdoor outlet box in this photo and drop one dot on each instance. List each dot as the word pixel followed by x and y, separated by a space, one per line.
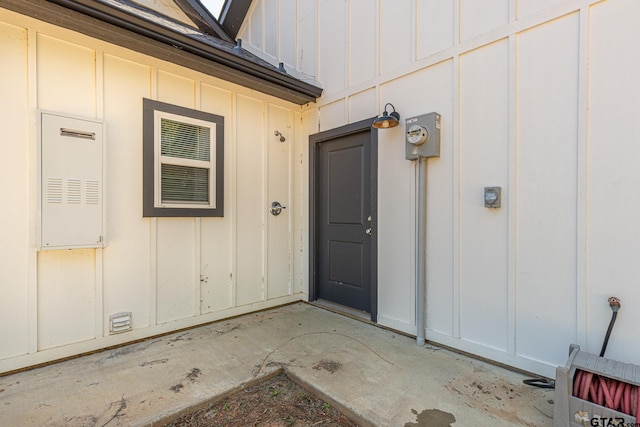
pixel 492 197
pixel 422 136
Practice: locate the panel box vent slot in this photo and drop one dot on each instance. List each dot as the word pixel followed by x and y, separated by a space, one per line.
pixel 120 322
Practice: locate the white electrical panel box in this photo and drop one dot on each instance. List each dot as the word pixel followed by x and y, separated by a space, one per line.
pixel 71 182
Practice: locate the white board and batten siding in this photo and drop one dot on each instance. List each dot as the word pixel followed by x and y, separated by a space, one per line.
pixel 537 97
pixel 170 273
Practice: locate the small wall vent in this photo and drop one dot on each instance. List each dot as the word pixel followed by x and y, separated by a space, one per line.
pixel 120 322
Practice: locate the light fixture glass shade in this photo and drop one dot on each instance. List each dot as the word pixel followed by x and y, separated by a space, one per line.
pixel 387 120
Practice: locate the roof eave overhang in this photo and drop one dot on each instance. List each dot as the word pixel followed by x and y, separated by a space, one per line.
pixel 107 23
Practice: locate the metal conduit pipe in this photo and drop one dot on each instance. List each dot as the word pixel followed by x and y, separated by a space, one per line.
pixel 421 277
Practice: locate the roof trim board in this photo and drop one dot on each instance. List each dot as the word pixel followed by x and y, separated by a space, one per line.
pixel 233 14
pixel 167 40
pixel 201 16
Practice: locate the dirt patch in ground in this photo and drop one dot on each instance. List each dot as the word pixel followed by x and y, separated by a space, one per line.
pixel 273 403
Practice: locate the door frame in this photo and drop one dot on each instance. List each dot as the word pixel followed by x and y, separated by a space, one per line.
pixel 314 141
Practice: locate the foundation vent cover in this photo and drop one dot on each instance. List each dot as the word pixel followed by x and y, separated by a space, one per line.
pixel 120 322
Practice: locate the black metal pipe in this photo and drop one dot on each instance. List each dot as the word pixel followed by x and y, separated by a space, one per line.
pixel 614 303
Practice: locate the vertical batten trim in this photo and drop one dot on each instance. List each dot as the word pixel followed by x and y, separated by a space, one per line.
pixel 197 262
pixel 455 285
pixel 512 195
pixel 455 143
pixel 153 230
pixel 234 201
pixel 33 190
pixel 347 77
pixel 347 53
pixel 377 80
pixel 290 205
pixel 296 28
pixel 99 293
pixel 99 253
pixel 197 238
pixel 413 39
pixel 278 32
pixel 582 178
pixel 264 197
pixel 513 11
pixel 153 279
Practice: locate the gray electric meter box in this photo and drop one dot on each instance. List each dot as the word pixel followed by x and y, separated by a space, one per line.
pixel 422 136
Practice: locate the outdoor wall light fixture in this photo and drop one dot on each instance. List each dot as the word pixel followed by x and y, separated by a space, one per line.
pixel 387 120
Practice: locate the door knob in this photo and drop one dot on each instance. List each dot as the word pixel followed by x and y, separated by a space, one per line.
pixel 368 231
pixel 276 208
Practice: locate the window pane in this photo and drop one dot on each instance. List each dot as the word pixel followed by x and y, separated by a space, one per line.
pixel 185 140
pixel 182 184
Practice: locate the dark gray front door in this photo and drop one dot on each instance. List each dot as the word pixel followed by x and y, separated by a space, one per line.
pixel 344 220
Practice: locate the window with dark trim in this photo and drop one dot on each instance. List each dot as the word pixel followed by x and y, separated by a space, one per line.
pixel 183 161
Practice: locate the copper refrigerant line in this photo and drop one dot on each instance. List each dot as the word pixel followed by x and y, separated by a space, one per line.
pixel 608 392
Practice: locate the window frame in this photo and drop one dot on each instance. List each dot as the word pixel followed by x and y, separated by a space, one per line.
pixel 152 206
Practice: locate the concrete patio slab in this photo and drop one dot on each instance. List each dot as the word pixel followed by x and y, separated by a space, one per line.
pixel 382 377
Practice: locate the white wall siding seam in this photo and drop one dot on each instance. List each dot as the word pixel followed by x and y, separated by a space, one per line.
pixel 513 10
pixel 512 197
pixel 233 185
pixel 33 191
pixel 377 47
pixel 153 233
pixel 265 193
pixel 456 182
pixel 414 32
pixel 197 266
pixel 290 191
pixel 546 15
pixel 347 56
pixel 100 325
pixel 197 238
pixel 583 171
pixel 99 253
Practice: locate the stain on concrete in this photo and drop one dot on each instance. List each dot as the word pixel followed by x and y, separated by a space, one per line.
pixel 176 388
pixel 488 393
pixel 80 421
pixel 195 373
pixel 327 365
pixel 432 418
pixel 226 328
pixel 155 362
pixel 180 338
